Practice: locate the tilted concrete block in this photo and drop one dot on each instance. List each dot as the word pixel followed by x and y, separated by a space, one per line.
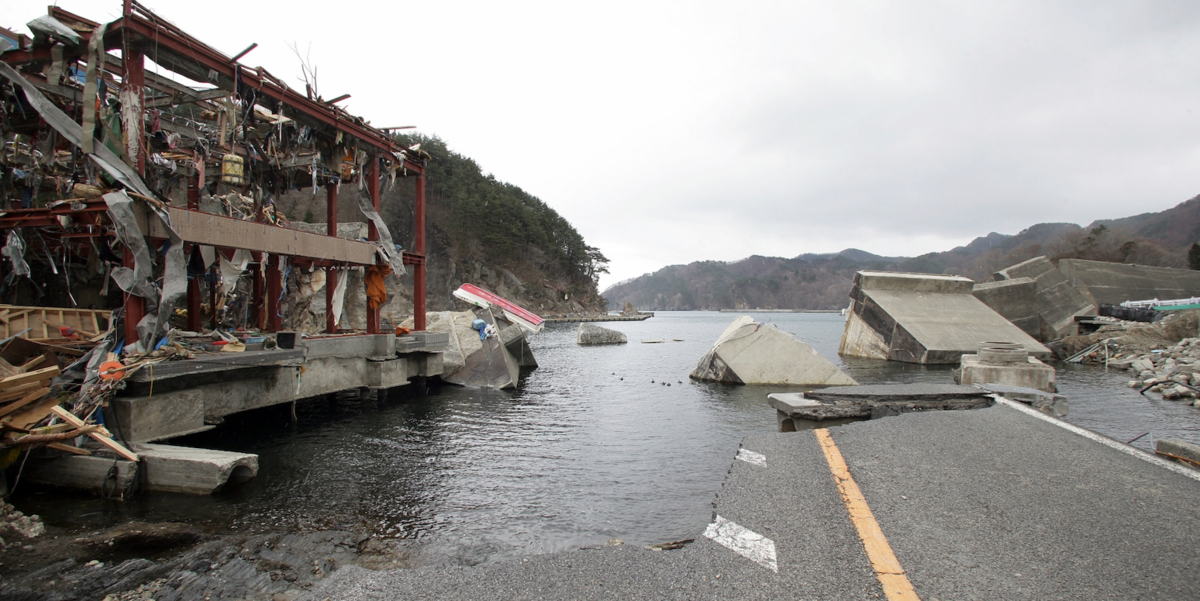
pixel 749 352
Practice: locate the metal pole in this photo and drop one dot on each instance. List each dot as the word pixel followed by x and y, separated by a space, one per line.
pixel 331 274
pixel 419 248
pixel 372 176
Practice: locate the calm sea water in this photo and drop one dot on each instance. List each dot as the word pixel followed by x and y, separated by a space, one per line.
pixel 600 442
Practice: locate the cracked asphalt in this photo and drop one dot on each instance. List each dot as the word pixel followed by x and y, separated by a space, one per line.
pixel 983 504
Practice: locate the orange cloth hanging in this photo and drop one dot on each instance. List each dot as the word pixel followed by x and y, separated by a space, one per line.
pixel 376 291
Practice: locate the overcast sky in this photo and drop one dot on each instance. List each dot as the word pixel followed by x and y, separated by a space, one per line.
pixel 670 132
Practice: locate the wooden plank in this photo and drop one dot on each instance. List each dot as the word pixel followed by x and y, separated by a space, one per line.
pixel 34 362
pixel 116 447
pixel 216 230
pixel 34 413
pixel 33 376
pixel 22 390
pixel 27 399
pixel 78 328
pixel 68 448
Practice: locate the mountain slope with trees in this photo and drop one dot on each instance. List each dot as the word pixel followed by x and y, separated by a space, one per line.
pixel 822 281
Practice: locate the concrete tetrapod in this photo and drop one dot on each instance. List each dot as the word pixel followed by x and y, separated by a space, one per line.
pixel 749 352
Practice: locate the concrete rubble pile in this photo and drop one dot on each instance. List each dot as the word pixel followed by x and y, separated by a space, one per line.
pixel 923 318
pixel 749 352
pixel 595 335
pixel 16 527
pixel 1174 373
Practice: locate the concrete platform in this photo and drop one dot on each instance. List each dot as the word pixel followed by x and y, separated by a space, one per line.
pixel 922 318
pixel 1000 503
pixel 185 397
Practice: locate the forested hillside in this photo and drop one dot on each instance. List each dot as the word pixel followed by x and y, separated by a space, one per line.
pixel 822 281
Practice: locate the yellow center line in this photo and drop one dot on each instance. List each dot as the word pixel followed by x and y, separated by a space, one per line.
pixel 887 568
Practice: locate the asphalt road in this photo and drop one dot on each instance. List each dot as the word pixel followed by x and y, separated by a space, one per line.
pixel 983 504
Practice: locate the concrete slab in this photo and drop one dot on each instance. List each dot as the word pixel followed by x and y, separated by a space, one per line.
pixel 1185 450
pixel 1058 301
pixel 1047 402
pixel 194 471
pixel 89 473
pixel 1015 300
pixel 1115 283
pixel 221 363
pixel 749 352
pixel 809 410
pixel 903 317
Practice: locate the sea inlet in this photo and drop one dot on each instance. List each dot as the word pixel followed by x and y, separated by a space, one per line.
pixel 599 443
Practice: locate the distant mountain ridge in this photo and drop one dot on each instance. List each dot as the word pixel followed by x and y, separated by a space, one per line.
pixel 823 280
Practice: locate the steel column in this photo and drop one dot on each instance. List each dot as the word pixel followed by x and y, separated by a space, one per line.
pixel 274 292
pixel 193 290
pixel 135 306
pixel 372 176
pixel 419 247
pixel 331 274
pixel 133 91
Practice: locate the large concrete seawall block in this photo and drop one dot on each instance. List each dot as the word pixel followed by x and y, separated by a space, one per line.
pixel 1014 299
pixel 1057 301
pixel 900 318
pixel 1115 283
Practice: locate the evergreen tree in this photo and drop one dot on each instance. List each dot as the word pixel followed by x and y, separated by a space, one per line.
pixel 1194 256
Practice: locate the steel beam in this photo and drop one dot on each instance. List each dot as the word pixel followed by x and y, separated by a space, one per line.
pixel 372 176
pixel 419 246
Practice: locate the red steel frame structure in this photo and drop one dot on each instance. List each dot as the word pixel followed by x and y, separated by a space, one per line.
pixel 137 31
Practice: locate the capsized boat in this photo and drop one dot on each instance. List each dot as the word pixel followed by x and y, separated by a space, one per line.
pixel 515 313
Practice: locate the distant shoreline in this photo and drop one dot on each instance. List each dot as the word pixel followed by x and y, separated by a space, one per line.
pixel 780 311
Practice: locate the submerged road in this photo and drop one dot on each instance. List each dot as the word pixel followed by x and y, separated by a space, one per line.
pixel 996 503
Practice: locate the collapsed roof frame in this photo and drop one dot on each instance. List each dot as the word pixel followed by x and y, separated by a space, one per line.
pixel 139 34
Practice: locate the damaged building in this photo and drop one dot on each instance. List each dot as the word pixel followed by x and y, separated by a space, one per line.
pixel 154 204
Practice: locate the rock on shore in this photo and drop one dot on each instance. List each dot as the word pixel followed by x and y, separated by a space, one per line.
pixel 1174 373
pixel 591 334
pixel 1163 356
pixel 16 528
pixel 133 562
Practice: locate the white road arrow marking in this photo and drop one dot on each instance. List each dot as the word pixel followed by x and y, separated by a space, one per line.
pixel 751 457
pixel 744 542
